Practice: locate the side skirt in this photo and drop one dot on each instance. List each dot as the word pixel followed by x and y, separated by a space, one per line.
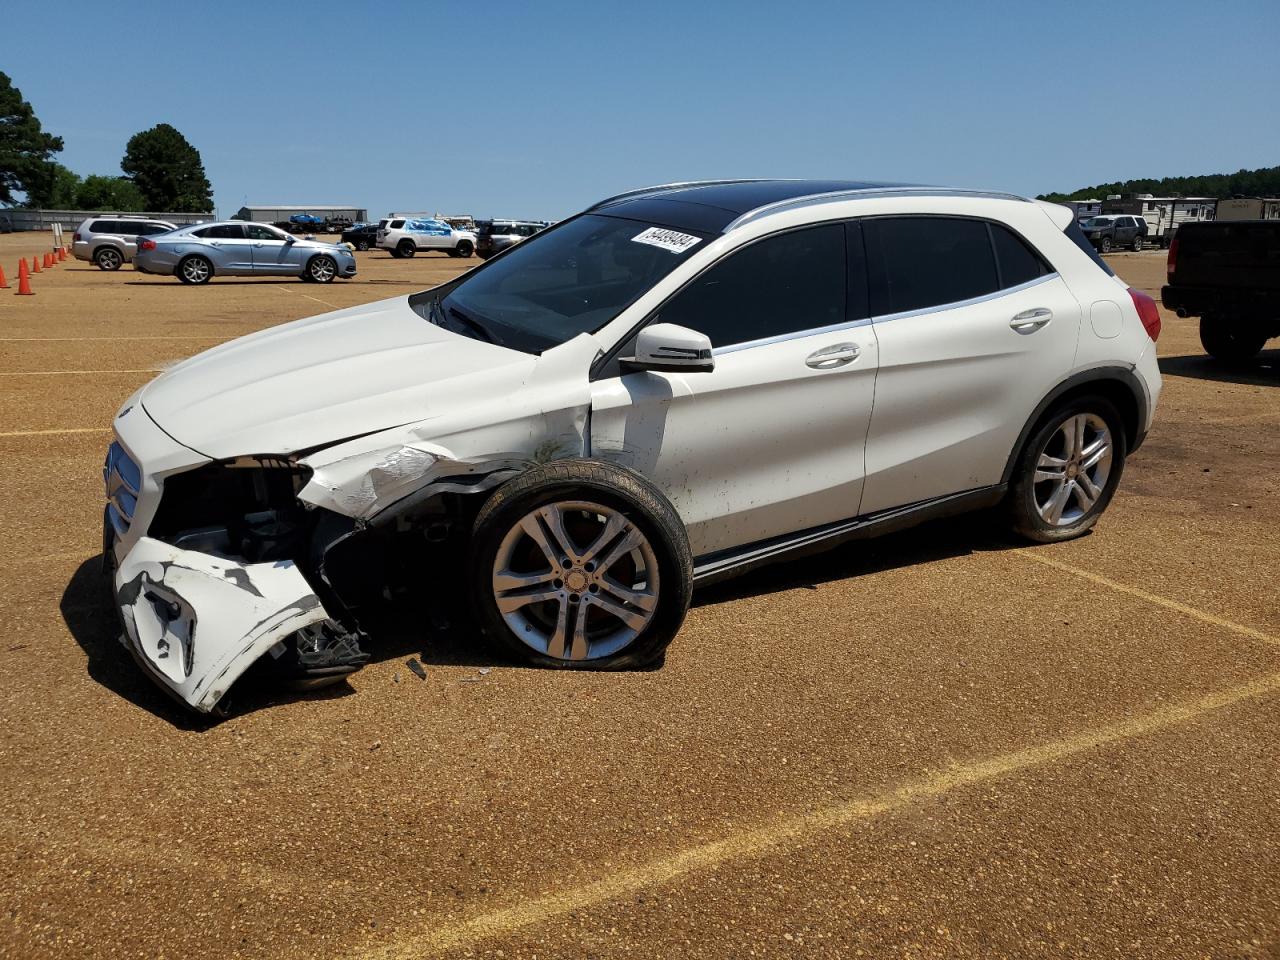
pixel 715 567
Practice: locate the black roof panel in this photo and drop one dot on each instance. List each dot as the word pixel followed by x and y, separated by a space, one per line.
pixel 712 207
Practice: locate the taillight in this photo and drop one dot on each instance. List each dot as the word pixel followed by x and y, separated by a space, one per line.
pixel 1173 255
pixel 1148 312
pixel 146 244
pixel 76 236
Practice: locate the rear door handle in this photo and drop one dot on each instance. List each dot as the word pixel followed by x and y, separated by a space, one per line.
pixel 836 355
pixel 1029 321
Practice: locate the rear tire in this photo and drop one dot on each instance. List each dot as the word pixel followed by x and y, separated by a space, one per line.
pixel 465 248
pixel 581 536
pixel 1068 471
pixel 362 245
pixel 1230 341
pixel 1137 244
pixel 406 249
pixel 108 258
pixel 195 270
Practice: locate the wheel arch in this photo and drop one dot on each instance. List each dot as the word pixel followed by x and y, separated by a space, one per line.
pixel 1120 385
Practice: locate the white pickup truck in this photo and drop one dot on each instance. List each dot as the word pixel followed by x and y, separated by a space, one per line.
pixel 405 236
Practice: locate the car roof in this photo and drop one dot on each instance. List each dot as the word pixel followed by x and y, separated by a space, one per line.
pixel 717 206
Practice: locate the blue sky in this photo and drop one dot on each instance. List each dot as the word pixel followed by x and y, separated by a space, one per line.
pixel 536 109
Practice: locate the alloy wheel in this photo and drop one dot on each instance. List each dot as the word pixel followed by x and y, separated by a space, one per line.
pixel 196 270
pixel 575 580
pixel 1072 469
pixel 322 269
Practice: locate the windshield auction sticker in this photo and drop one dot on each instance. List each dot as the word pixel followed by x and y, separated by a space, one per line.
pixel 666 239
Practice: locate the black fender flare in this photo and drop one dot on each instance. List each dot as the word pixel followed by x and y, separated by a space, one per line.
pixel 1109 374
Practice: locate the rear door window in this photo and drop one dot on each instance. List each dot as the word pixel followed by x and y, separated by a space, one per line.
pixel 222 231
pixel 916 263
pixel 105 226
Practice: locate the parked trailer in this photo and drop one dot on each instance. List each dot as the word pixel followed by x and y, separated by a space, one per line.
pixel 1163 214
pixel 1249 208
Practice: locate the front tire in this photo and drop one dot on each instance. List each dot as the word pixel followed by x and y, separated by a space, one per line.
pixel 195 270
pixel 406 249
pixel 1106 244
pixel 1068 471
pixel 1230 341
pixel 108 258
pixel 362 245
pixel 580 564
pixel 321 269
pixel 465 248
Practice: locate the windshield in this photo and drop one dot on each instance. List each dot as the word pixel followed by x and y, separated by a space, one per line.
pixel 564 282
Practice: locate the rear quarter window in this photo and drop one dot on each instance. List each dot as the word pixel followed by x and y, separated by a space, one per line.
pixel 1076 236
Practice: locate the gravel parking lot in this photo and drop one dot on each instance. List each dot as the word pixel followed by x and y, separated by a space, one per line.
pixel 936 744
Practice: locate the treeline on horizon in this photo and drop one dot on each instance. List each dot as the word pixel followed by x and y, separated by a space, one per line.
pixel 1263 182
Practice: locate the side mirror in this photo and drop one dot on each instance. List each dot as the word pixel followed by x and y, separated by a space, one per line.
pixel 670 348
pixel 290 239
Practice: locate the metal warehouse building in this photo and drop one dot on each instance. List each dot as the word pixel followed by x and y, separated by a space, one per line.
pixel 271 212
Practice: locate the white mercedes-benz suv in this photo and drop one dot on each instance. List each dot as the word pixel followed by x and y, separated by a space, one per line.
pixel 676 385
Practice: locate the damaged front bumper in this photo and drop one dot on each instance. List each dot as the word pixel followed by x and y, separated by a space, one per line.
pixel 196 622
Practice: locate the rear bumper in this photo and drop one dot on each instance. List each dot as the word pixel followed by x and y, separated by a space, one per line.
pixel 1240 303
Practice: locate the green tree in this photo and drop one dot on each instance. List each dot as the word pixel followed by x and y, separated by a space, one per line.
pixel 52 187
pixel 25 149
pixel 1263 182
pixel 167 171
pixel 109 193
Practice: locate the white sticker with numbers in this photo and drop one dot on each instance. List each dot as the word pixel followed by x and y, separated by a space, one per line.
pixel 666 239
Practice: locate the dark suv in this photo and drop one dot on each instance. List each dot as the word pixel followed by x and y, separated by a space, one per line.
pixel 494 236
pixel 1115 230
pixel 362 236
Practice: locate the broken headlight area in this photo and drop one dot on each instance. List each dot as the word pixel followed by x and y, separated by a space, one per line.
pixel 246 508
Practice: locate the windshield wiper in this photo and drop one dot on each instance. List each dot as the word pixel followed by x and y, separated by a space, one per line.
pixel 472 324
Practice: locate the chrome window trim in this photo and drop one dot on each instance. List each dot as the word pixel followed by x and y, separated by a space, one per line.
pixel 883 318
pixel 796 335
pixel 867 193
pixel 957 304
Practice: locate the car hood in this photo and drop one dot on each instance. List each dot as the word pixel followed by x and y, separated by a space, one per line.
pixel 313 382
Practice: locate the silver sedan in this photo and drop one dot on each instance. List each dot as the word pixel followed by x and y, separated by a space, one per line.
pixel 235 248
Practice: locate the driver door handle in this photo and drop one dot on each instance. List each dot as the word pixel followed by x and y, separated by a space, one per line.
pixel 1029 321
pixel 836 355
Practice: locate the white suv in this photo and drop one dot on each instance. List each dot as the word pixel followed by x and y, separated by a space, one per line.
pixel 676 385
pixel 405 236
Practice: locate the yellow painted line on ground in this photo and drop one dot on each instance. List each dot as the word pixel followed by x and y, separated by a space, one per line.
pixel 1037 555
pixel 449 937
pixel 62 373
pixel 308 296
pixel 54 433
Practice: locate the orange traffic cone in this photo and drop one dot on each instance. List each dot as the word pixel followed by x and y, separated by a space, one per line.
pixel 4 284
pixel 62 254
pixel 35 264
pixel 24 281
pixel 48 260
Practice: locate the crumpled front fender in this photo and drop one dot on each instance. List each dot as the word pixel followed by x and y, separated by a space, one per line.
pixel 196 621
